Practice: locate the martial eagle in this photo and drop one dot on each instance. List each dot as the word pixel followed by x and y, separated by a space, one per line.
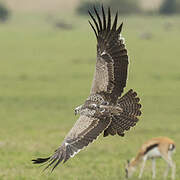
pixel 104 110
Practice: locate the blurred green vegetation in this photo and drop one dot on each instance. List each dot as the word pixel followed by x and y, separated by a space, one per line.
pixel 128 7
pixel 46 72
pixel 169 7
pixel 123 6
pixel 86 6
pixel 4 12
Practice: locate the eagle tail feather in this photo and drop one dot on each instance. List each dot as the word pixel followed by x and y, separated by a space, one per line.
pixel 128 118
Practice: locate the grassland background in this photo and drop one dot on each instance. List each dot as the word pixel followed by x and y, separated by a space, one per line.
pixel 45 72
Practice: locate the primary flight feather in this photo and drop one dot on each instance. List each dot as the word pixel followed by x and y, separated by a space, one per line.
pixel 104 110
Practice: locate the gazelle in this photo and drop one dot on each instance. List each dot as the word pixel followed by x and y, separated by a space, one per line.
pixel 157 147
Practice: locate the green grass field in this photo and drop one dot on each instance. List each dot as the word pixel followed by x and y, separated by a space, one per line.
pixel 46 72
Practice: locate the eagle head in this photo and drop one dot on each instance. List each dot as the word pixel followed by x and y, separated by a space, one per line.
pixel 77 110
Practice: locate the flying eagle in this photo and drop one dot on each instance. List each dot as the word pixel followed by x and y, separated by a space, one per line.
pixel 104 110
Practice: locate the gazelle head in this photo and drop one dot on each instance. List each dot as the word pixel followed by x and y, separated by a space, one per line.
pixel 129 169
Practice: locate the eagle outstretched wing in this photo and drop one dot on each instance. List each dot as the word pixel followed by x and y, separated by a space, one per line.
pixel 112 59
pixel 85 130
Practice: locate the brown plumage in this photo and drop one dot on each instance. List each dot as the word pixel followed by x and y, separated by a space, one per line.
pixel 105 109
pixel 128 118
pixel 112 60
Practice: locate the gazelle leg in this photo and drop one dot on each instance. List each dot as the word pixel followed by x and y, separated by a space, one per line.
pixel 173 171
pixel 170 165
pixel 153 168
pixel 166 171
pixel 142 168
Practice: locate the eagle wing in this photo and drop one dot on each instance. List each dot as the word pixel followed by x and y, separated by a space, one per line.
pixel 112 59
pixel 85 131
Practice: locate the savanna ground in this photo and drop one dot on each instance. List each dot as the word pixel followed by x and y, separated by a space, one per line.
pixel 45 72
